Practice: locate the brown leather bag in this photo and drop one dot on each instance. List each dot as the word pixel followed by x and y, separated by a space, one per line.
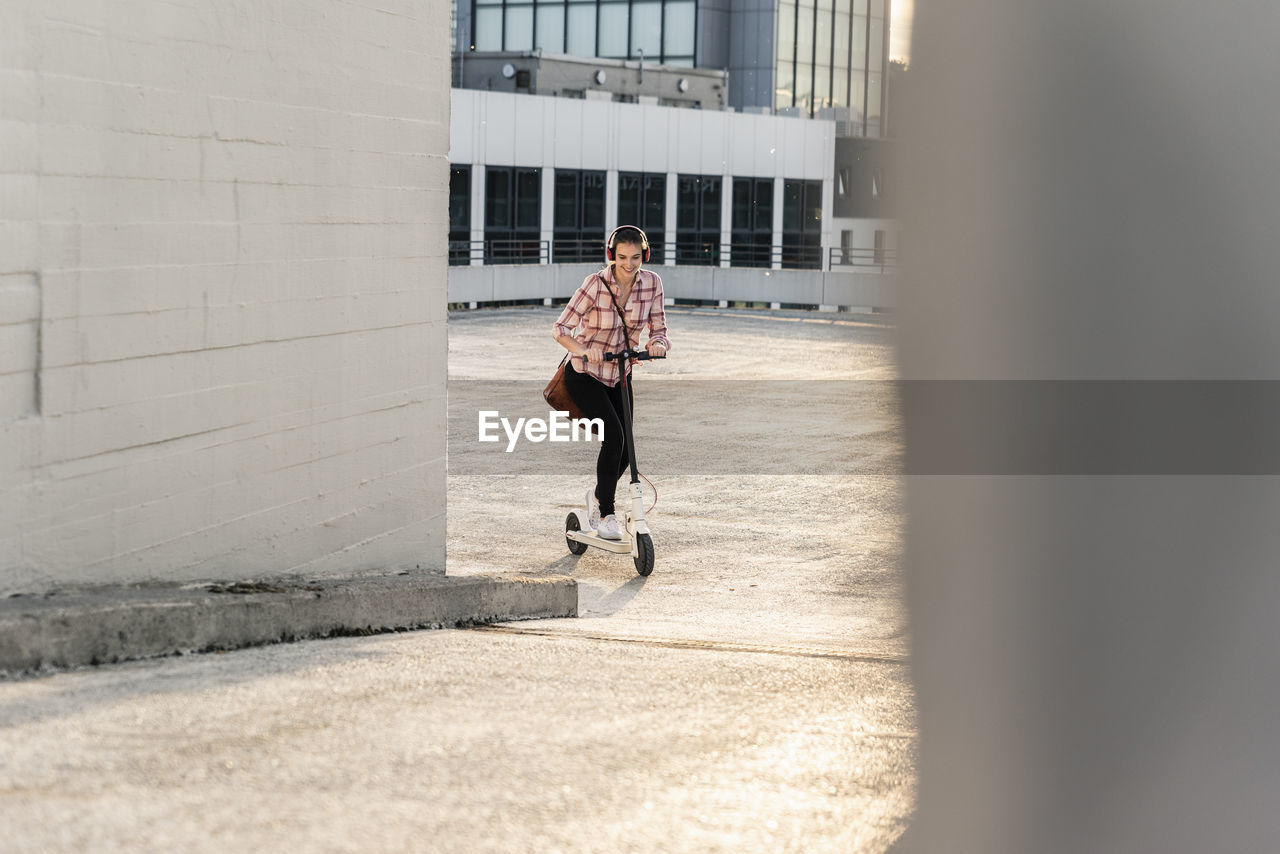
pixel 557 393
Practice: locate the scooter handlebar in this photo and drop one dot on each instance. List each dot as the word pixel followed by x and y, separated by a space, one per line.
pixel 638 355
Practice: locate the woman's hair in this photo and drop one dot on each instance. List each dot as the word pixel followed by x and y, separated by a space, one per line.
pixel 629 234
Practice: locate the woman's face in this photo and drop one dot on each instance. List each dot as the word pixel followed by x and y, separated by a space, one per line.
pixel 628 257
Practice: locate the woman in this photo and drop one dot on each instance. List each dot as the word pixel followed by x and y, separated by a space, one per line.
pixel 588 328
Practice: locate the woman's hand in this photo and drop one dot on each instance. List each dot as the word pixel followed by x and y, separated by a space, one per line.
pixel 594 355
pixel 656 348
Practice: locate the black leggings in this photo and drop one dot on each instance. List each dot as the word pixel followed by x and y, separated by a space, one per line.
pixel 597 400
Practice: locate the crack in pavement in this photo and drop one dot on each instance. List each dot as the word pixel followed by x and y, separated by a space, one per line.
pixel 717 646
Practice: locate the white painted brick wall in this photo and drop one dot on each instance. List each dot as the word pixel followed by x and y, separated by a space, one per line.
pixel 222 289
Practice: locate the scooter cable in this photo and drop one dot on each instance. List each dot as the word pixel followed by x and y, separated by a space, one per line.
pixel 655 492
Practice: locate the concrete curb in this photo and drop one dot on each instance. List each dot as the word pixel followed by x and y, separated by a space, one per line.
pixel 117 624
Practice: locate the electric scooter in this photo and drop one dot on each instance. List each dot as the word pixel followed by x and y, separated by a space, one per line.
pixel 578 532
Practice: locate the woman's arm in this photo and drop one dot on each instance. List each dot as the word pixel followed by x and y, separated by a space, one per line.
pixel 581 301
pixel 657 321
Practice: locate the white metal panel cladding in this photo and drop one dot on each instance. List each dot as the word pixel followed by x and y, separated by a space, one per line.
pixel 504 129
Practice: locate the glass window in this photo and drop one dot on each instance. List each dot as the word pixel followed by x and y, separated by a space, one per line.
pixel 821 86
pixel 487 30
pixel 804 35
pixel 613 30
pixel 566 199
pixel 764 205
pixel 459 214
pixel 519 31
pixel 813 206
pixel 710 203
pixel 840 88
pixel 646 29
pixel 858 94
pixel 528 201
pixel 698 220
pixel 497 198
pixel 687 202
pixel 840 32
pixel 822 51
pixel 786 31
pixel 804 85
pixel 785 91
pixel 677 29
pixel 593 202
pixel 792 205
pixel 859 52
pixel 873 105
pixel 550 37
pixel 459 197
pixel 751 237
pixel 628 197
pixel 579 216
pixel 741 204
pixel 655 202
pixel 582 30
pixel 876 45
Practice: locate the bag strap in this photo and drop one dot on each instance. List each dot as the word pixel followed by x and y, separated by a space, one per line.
pixel 621 317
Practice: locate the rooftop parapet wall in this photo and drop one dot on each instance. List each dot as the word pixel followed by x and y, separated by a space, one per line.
pixel 500 283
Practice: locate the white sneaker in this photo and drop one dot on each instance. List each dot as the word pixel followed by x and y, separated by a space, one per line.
pixel 609 529
pixel 593 509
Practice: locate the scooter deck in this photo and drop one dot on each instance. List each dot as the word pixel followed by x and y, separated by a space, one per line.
pixel 591 538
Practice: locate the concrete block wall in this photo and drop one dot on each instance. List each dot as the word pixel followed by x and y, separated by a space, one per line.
pixel 222 289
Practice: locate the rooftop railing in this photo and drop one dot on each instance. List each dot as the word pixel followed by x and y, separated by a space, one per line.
pixel 786 255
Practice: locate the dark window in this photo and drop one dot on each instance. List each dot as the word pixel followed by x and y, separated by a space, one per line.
pixel 802 225
pixel 642 201
pixel 459 214
pixel 512 214
pixel 579 216
pixel 752 223
pixel 698 220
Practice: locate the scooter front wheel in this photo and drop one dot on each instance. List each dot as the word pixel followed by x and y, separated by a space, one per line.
pixel 571 524
pixel 644 554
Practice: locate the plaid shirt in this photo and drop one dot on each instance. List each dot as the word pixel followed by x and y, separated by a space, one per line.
pixel 591 313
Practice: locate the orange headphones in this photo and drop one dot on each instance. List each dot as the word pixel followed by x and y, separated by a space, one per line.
pixel 611 243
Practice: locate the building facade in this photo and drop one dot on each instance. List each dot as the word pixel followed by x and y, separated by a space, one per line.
pixel 712 125
pixel 806 57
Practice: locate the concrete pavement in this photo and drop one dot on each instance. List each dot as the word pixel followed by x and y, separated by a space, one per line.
pixel 753 694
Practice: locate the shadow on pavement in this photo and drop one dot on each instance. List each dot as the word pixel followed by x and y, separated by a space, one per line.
pixel 610 603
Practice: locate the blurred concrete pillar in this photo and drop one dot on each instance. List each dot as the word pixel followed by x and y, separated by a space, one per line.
pixel 1094 194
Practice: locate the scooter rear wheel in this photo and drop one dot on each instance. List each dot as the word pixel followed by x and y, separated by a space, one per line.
pixel 644 554
pixel 571 524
